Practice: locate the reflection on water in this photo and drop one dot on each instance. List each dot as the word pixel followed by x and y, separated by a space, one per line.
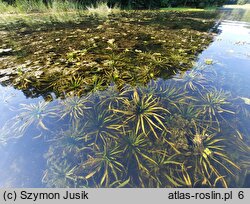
pixel 190 130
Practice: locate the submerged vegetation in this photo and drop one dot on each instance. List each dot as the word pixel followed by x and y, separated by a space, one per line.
pixel 139 138
pixel 142 144
pixel 125 48
pixel 123 103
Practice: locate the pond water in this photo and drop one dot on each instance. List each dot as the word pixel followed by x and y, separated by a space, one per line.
pixel 187 128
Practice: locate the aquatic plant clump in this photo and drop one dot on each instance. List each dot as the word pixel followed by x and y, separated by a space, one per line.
pixel 214 104
pixel 86 57
pixel 158 135
pixel 134 141
pixel 142 144
pixel 124 104
pixel 144 111
pixel 72 107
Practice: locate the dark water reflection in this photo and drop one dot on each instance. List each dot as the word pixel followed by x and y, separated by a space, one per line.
pixel 53 149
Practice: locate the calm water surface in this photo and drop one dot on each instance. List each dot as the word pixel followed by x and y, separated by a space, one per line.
pixel 27 151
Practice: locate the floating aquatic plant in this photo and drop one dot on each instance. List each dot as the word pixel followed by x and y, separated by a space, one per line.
pixel 67 142
pixel 69 84
pixel 168 92
pixel 136 49
pixel 112 97
pixel 163 170
pixel 135 148
pixel 73 107
pixel 213 103
pixel 183 178
pixel 209 61
pixel 32 114
pixel 188 112
pixel 212 159
pixel 116 184
pixel 145 73
pixel 103 164
pixel 100 124
pixel 144 111
pixel 95 84
pixel 60 174
pixel 193 80
pixel 121 136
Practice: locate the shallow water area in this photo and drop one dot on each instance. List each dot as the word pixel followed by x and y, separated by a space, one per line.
pixel 171 127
